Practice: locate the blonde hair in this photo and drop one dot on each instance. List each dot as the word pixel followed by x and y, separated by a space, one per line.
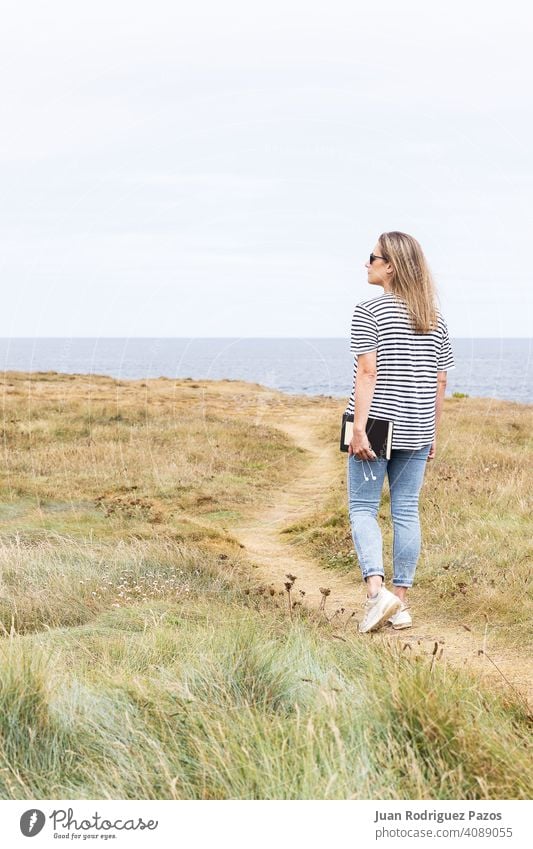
pixel 412 280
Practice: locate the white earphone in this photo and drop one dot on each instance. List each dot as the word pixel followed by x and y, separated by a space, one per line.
pixel 371 472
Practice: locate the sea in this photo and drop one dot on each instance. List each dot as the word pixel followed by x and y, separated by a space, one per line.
pixel 487 368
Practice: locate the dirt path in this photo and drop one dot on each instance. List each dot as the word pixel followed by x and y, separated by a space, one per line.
pixel 274 557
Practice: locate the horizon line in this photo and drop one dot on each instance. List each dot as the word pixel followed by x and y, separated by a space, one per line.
pixel 190 338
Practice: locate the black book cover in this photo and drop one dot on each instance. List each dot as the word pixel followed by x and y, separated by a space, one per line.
pixel 379 432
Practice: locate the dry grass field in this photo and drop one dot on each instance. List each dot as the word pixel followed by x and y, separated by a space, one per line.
pixel 150 649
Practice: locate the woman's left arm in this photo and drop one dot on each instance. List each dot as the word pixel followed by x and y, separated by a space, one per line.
pixel 365 384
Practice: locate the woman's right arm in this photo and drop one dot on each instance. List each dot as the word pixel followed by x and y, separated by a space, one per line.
pixel 441 391
pixel 439 404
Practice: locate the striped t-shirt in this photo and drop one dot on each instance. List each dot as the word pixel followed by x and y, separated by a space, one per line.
pixel 407 366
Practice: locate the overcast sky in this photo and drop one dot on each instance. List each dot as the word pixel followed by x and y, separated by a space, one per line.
pixel 225 168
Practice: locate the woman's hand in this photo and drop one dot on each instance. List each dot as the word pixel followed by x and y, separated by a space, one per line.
pixel 360 446
pixel 431 455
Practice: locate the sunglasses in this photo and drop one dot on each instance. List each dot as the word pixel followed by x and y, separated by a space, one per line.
pixel 375 256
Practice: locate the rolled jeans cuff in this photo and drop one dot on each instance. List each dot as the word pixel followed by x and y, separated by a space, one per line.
pixel 371 575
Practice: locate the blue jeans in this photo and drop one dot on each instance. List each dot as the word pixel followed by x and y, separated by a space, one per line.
pixel 405 471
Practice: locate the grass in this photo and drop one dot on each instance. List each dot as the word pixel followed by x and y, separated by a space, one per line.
pixel 213 699
pixel 140 659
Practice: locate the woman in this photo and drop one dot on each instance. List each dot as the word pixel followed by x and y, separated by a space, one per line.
pixel 402 353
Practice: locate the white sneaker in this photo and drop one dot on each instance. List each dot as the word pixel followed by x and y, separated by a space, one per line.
pixel 402 619
pixel 378 610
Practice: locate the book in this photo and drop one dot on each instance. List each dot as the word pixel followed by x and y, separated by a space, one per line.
pixel 379 432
